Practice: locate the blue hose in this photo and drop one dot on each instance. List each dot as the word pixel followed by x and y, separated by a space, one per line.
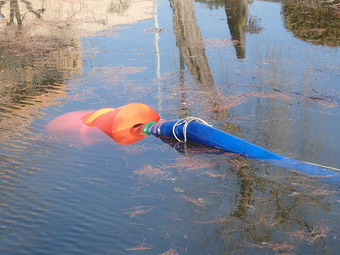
pixel 195 131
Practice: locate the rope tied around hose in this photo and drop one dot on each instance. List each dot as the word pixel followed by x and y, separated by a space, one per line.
pixel 185 122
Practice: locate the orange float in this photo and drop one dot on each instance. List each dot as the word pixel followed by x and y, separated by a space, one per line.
pixel 122 124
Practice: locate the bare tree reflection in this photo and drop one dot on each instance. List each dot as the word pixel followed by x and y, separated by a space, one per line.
pixel 33 69
pixel 312 24
pixel 287 214
pixel 189 41
pixel 40 53
pixel 237 16
pixel 37 13
pixel 16 15
pixel 192 53
pixel 245 192
pixel 253 208
pixel 14 12
pixel 118 6
pixel 309 20
pixel 184 109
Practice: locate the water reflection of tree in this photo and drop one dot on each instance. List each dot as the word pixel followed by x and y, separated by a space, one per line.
pixel 192 53
pixel 118 6
pixel 189 41
pixel 246 191
pixel 15 11
pixel 316 25
pixel 33 69
pixel 238 23
pixel 278 221
pixel 313 21
pixel 237 16
pixel 252 208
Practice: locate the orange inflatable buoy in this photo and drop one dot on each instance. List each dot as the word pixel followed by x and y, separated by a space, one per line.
pixel 71 127
pixel 122 124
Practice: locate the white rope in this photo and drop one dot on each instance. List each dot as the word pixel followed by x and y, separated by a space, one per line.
pixel 185 122
pixel 322 166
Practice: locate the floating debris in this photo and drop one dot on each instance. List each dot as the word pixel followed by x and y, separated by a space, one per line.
pixel 199 202
pixel 137 211
pixel 151 173
pixel 142 246
pixel 170 252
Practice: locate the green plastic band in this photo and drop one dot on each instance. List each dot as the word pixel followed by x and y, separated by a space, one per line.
pixel 146 127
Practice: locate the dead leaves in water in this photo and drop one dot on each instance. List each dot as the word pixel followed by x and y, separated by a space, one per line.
pixel 311 235
pixel 193 163
pixel 146 246
pixel 113 74
pixel 323 102
pixel 199 201
pixel 214 175
pixel 233 101
pixel 282 248
pixel 141 247
pixel 218 221
pixel 150 173
pixel 170 252
pixel 137 211
pixel 318 231
pixel 134 149
pixel 322 191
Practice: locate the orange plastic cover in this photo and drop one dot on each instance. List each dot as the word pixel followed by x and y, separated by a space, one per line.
pixel 121 124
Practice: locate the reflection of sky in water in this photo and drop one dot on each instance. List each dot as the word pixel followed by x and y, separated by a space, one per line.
pixel 65 198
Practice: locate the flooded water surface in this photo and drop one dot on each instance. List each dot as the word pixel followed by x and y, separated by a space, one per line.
pixel 265 71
